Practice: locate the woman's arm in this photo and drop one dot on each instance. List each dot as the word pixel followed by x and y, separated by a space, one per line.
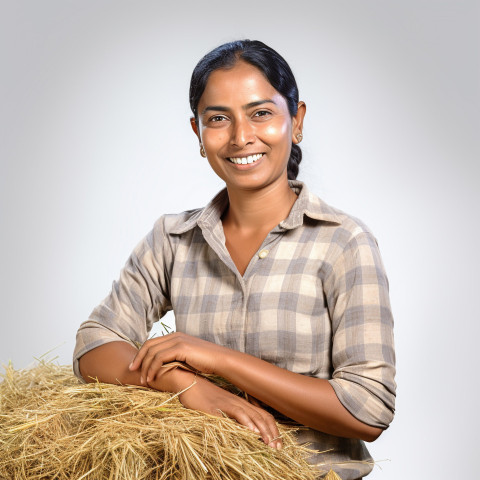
pixel 109 363
pixel 308 400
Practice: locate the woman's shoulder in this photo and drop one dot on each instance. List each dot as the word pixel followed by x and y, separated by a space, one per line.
pixel 177 223
pixel 209 215
pixel 341 224
pixel 352 225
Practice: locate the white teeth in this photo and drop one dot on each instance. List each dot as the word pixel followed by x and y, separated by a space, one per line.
pixel 245 160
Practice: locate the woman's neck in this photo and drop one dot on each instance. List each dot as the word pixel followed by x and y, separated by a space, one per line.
pixel 259 210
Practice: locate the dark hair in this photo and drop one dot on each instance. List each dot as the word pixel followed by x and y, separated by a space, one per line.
pixel 268 61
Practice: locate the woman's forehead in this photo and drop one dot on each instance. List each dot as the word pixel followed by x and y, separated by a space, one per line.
pixel 241 84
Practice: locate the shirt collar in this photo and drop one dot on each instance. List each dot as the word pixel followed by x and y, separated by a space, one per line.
pixel 306 204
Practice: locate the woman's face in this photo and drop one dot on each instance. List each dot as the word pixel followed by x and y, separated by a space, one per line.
pixel 246 128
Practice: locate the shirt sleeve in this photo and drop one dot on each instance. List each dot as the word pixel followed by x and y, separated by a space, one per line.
pixel 138 299
pixel 363 354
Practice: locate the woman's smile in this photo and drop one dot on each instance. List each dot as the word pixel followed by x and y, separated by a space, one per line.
pixel 246 159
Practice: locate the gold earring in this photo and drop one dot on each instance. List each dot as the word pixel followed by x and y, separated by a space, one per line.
pixel 202 151
pixel 299 137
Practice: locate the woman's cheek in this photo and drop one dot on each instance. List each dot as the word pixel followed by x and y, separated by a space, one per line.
pixel 278 131
pixel 214 141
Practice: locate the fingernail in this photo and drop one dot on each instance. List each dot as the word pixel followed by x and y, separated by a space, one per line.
pixel 141 380
pixel 256 430
pixel 278 446
pixel 148 379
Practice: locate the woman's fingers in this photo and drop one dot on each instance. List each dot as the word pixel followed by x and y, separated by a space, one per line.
pixel 154 360
pixel 209 398
pixel 270 427
pixel 263 421
pixel 199 354
pixel 146 362
pixel 259 421
pixel 148 354
pixel 146 347
pixel 277 441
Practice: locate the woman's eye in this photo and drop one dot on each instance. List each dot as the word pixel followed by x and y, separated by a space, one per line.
pixel 217 118
pixel 262 113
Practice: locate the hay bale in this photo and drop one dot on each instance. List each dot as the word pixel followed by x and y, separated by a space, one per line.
pixel 53 427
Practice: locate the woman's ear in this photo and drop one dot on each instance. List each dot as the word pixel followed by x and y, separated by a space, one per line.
pixel 194 126
pixel 297 122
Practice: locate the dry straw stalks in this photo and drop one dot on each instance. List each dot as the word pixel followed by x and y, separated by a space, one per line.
pixel 53 427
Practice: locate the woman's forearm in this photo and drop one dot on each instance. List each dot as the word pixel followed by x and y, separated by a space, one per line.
pixel 308 400
pixel 109 363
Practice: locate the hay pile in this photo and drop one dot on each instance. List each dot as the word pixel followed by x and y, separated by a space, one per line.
pixel 53 427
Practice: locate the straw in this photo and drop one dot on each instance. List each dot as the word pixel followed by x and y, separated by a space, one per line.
pixel 54 427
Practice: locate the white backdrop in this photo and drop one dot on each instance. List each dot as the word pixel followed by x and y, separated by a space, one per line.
pixel 95 144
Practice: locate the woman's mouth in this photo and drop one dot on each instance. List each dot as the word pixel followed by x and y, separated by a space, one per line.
pixel 245 160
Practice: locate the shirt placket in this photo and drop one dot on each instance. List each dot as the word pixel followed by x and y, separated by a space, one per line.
pixel 253 267
pixel 215 238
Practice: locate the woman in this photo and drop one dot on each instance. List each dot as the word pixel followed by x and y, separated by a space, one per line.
pixel 272 289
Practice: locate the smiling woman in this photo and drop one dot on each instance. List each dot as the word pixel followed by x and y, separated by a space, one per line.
pixel 272 289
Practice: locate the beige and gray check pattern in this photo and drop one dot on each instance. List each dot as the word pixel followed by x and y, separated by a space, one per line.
pixel 313 300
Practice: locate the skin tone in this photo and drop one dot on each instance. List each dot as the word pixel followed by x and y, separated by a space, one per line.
pixel 240 115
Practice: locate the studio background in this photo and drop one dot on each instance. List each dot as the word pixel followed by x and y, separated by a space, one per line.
pixel 95 144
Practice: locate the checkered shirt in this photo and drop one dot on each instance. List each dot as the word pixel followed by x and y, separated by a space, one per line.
pixel 313 300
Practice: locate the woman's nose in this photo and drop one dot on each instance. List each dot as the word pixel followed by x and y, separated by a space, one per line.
pixel 243 133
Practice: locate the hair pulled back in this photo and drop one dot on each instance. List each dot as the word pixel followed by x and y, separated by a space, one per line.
pixel 268 61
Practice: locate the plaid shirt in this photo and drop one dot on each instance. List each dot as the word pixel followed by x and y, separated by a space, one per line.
pixel 313 300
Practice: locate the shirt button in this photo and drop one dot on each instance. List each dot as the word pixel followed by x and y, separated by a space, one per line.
pixel 262 253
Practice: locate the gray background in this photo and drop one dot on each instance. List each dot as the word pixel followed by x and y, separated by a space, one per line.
pixel 95 144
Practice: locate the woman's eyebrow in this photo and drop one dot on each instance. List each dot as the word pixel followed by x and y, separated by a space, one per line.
pixel 220 108
pixel 257 103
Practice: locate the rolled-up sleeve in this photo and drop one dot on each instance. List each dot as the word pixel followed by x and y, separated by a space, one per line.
pixel 138 299
pixel 363 355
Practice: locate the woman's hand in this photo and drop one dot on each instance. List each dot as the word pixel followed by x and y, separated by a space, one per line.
pixel 201 355
pixel 208 398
